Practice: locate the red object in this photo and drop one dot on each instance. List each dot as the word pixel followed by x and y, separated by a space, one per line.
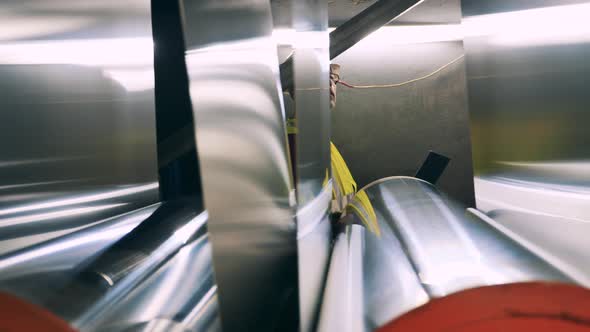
pixel 17 315
pixel 531 306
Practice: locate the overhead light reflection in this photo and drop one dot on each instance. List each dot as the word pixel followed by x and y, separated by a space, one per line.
pixel 132 79
pixel 566 24
pixel 81 199
pixel 183 234
pixel 56 214
pixel 86 52
pixel 413 34
pixel 541 26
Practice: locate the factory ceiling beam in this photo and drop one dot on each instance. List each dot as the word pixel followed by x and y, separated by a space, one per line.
pixel 354 30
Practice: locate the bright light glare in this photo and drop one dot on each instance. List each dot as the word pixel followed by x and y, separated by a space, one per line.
pixel 132 79
pixel 85 52
pixel 305 39
pixel 413 34
pixel 541 26
pixel 389 35
pixel 532 198
pixel 81 199
pixel 56 214
pixel 284 36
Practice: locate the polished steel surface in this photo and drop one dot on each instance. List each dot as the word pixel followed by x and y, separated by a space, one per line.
pixel 560 257
pixel 428 247
pixel 311 66
pixel 314 238
pixel 241 140
pixel 527 95
pixel 60 212
pixel 527 66
pixel 36 273
pixel 391 285
pixel 120 279
pixel 183 288
pixel 342 305
pixel 77 121
pixel 311 101
pixel 105 280
pixel 77 93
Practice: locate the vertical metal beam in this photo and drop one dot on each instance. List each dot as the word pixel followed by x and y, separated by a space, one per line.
pixel 312 149
pixel 241 138
pixel 178 167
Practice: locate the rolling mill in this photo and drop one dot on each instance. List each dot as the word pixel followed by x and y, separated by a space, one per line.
pixel 294 165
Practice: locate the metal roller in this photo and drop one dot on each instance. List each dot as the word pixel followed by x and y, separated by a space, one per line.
pixel 28 272
pixel 79 257
pixel 127 280
pixel 180 294
pixel 427 248
pixel 343 310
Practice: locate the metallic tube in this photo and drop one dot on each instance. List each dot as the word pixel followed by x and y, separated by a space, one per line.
pixel 428 248
pixel 109 277
pixel 182 291
pixel 311 154
pixel 23 271
pixel 66 212
pixel 342 308
pixel 130 286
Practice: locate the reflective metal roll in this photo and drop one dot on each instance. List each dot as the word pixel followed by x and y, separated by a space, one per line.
pixel 426 247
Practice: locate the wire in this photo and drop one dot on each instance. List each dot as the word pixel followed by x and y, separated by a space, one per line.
pixel 395 85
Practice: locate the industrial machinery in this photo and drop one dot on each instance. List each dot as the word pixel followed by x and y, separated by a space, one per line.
pixel 169 165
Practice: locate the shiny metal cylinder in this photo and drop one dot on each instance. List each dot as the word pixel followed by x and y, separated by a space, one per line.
pixel 243 155
pixel 310 151
pixel 104 281
pixel 37 272
pixel 182 292
pixel 429 247
pixel 123 273
pixel 342 308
